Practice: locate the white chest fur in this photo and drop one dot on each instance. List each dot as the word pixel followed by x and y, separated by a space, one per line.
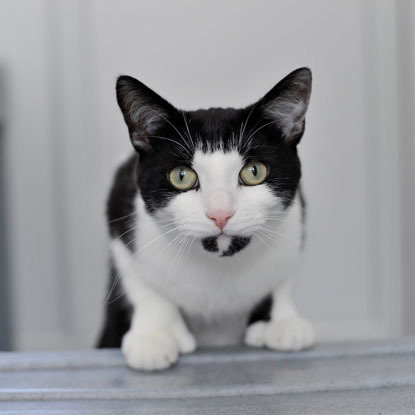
pixel 214 293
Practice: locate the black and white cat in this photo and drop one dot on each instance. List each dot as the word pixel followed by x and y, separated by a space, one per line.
pixel 206 220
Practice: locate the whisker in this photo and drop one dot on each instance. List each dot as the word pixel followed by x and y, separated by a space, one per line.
pixel 179 255
pixel 274 236
pixel 257 235
pixel 118 276
pixel 247 142
pixel 170 246
pixel 187 151
pixel 154 240
pixel 116 298
pixel 188 131
pixel 141 225
pixel 162 116
pixel 242 133
pixel 160 227
pixel 121 218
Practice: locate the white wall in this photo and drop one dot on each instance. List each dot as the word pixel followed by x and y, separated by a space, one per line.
pixel 406 56
pixel 33 173
pixel 67 132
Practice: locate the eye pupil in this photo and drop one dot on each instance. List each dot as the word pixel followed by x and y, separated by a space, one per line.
pixel 183 178
pixel 253 173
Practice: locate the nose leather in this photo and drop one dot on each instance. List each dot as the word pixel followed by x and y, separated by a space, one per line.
pixel 220 207
pixel 220 217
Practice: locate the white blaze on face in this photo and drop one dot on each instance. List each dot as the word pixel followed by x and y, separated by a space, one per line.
pixel 221 203
pixel 218 176
pixel 219 199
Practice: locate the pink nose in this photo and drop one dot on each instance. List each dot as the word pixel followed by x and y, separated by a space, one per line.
pixel 220 217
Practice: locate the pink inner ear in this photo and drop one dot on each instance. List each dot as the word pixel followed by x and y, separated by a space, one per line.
pixel 288 114
pixel 287 103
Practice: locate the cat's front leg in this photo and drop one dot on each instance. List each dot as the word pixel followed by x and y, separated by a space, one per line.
pixel 286 330
pixel 157 336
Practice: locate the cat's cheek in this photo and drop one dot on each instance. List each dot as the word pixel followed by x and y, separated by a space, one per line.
pixel 256 205
pixel 188 211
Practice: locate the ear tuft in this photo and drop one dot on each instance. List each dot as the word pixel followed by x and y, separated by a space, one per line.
pixel 144 111
pixel 287 103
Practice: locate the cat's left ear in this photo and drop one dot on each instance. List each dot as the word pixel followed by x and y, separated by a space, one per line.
pixel 287 103
pixel 144 111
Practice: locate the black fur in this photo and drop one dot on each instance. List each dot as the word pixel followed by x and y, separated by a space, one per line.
pixel 262 311
pixel 117 316
pixel 210 244
pixel 120 206
pixel 237 244
pixel 171 132
pixel 161 134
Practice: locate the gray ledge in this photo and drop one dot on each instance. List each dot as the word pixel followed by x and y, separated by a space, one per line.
pixel 353 378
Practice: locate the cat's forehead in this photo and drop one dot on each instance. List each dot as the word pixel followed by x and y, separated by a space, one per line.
pixel 215 118
pixel 215 128
pixel 217 165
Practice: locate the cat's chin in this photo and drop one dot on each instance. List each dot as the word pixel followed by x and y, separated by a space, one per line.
pixel 225 245
pixel 223 241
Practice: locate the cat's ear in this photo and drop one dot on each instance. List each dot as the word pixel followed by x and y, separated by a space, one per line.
pixel 287 103
pixel 144 111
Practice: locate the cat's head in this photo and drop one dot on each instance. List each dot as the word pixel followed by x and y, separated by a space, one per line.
pixel 219 174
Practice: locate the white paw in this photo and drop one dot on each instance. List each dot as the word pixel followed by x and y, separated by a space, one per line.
pixel 290 334
pixel 158 349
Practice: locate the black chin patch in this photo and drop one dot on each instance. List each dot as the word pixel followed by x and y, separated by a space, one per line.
pixel 210 244
pixel 238 243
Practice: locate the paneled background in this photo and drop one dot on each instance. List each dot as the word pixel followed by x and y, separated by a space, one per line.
pixel 65 134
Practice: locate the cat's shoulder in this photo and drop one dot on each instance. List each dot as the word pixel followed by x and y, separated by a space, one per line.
pixel 121 199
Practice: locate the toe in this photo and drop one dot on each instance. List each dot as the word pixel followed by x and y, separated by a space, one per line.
pixel 255 334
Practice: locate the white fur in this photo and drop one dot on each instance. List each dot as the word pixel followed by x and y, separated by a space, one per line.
pixel 170 271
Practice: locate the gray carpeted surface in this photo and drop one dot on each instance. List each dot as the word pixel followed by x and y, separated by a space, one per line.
pixel 355 378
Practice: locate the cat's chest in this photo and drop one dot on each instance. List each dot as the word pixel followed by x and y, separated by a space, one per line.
pixel 204 283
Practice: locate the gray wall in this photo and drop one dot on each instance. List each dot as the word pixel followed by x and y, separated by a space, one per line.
pixel 64 115
pixel 5 327
pixel 406 55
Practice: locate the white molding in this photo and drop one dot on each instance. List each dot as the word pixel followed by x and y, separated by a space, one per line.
pixel 378 27
pixel 31 192
pixel 80 143
pixel 405 13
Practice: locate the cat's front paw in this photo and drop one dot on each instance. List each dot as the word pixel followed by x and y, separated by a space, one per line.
pixel 150 351
pixel 290 334
pixel 158 349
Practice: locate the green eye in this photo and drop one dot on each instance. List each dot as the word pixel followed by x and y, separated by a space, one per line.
pixel 253 173
pixel 183 178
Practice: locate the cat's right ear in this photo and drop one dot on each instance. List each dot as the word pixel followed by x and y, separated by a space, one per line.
pixel 144 111
pixel 286 104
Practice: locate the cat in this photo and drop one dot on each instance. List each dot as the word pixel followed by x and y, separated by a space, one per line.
pixel 206 219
